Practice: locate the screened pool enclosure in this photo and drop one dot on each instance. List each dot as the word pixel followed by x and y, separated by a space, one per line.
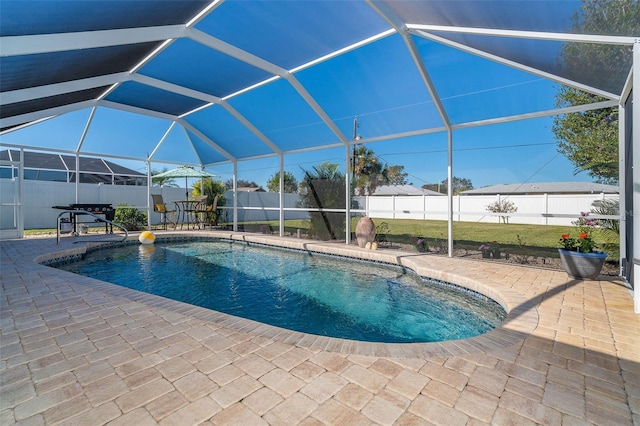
pixel 224 84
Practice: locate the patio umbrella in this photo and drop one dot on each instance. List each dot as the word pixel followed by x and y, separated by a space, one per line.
pixel 186 172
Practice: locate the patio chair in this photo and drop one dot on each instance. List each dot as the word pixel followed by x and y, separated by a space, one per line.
pixel 160 207
pixel 208 214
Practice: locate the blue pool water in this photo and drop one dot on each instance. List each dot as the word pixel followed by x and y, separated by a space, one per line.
pixel 314 294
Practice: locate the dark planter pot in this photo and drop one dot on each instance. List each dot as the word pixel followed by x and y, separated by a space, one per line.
pixel 582 265
pixel 486 254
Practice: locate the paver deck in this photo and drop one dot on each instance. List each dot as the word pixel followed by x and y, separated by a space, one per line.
pixel 78 351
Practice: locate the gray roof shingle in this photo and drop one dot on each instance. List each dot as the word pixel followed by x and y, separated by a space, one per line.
pixel 545 188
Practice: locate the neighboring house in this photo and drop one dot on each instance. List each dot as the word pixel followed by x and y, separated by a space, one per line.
pixel 251 189
pixel 386 190
pixel 62 168
pixel 544 188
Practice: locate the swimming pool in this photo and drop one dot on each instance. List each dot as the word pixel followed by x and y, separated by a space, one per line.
pixel 297 290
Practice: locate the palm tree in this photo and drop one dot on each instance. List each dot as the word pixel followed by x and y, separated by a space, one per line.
pixel 369 171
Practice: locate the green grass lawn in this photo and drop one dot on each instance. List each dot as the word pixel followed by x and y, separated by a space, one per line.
pixel 535 240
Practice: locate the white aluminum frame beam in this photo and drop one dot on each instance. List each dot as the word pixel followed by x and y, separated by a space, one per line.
pixel 516 65
pixel 31 93
pixel 206 139
pixel 538 35
pixel 401 28
pixel 161 141
pixel 47 43
pixel 635 143
pixel 248 58
pixel 213 100
pixel 44 114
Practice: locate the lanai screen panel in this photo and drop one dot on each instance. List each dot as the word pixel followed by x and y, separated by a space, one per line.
pixel 224 129
pixel 292 33
pixel 555 16
pixel 607 70
pixel 154 99
pixel 192 65
pixel 379 83
pixel 484 89
pixel 522 15
pixel 255 78
pixel 19 72
pixel 283 116
pixel 53 101
pixel 51 16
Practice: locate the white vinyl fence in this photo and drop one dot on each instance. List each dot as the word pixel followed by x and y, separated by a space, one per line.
pixel 536 209
pixel 551 209
pixel 41 196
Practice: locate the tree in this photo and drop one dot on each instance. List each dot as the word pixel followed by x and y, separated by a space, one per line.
pixel 290 183
pixel 211 189
pixel 162 181
pixel 241 184
pixel 396 175
pixel 369 172
pixel 590 139
pixel 459 185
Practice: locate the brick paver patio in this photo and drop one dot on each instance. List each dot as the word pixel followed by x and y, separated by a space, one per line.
pixel 78 351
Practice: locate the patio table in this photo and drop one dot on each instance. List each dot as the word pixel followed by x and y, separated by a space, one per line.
pixel 187 212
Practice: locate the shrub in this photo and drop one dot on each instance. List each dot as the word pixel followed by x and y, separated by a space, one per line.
pixel 130 217
pixel 382 230
pixel 609 228
pixel 502 206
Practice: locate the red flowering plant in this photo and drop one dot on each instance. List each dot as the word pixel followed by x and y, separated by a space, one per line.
pixel 583 242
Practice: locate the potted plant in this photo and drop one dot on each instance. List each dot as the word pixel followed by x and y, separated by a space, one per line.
pixel 420 243
pixel 490 250
pixel 578 255
pixel 486 250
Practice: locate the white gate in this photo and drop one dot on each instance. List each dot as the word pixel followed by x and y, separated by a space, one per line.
pixel 11 217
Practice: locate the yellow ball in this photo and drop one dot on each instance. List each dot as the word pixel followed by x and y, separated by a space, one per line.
pixel 147 237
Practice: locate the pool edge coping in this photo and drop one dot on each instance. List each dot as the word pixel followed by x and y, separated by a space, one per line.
pixel 522 317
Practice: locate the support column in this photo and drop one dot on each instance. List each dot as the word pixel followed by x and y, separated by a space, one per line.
pixel 281 224
pixel 235 196
pixel 149 209
pixel 450 192
pixel 77 176
pixel 20 198
pixel 347 183
pixel 635 167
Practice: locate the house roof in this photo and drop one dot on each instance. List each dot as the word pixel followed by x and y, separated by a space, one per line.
pixel 545 188
pixel 403 190
pixel 226 81
pixel 61 162
pixel 250 189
